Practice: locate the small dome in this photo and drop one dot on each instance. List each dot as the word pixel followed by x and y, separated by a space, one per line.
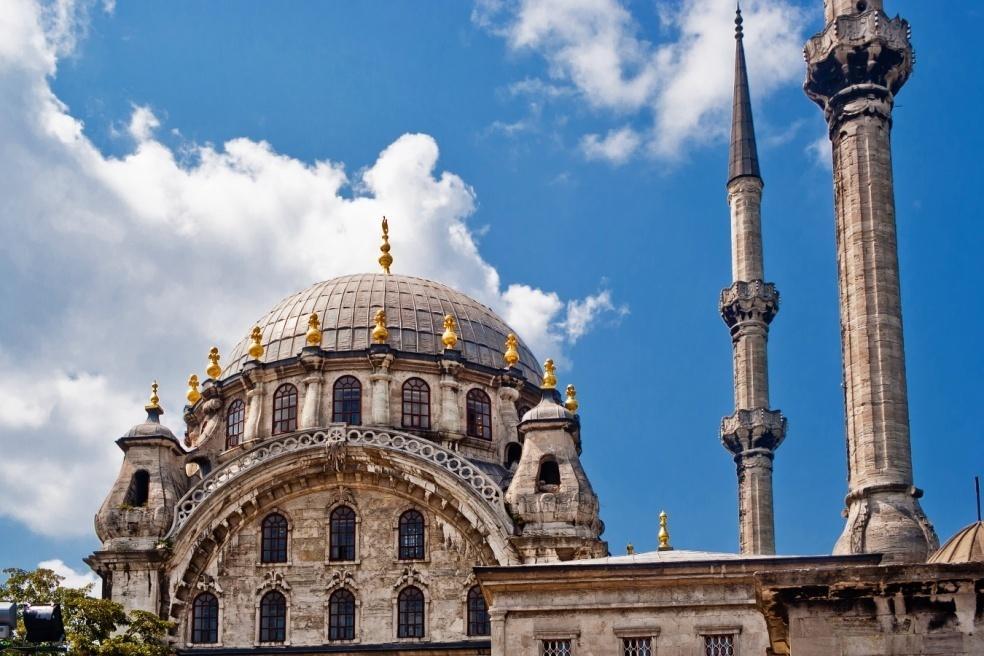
pixel 548 409
pixel 415 310
pixel 967 546
pixel 151 427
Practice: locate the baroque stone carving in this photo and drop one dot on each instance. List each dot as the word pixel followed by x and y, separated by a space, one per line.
pixel 749 301
pixel 342 578
pixel 409 576
pixel 273 581
pixel 759 428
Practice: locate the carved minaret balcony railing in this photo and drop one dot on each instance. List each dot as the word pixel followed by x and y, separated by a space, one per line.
pixel 855 66
pixel 748 306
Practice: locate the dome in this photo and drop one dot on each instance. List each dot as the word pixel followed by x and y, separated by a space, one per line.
pixel 150 427
pixel 967 546
pixel 415 310
pixel 548 409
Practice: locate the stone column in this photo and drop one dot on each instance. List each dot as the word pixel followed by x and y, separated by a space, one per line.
pixel 254 413
pixel 508 415
pixel 450 421
pixel 311 408
pixel 497 620
pixel 854 69
pixel 380 380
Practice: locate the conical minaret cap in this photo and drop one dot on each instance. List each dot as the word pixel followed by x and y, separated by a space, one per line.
pixel 743 160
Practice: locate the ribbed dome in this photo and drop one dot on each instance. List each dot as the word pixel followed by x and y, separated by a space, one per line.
pixel 967 546
pixel 415 310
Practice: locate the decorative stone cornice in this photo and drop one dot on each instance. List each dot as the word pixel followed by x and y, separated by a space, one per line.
pixel 759 428
pixel 748 301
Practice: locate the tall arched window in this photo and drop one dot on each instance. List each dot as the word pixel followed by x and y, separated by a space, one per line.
pixel 285 409
pixel 347 407
pixel 478 614
pixel 274 539
pixel 416 404
pixel 341 534
pixel 273 617
pixel 479 414
pixel 341 615
pixel 235 423
pixel 410 612
pixel 411 536
pixel 205 619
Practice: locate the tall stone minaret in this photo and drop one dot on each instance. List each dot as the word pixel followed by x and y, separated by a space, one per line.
pixel 854 69
pixel 754 431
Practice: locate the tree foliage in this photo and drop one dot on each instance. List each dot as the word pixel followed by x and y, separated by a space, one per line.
pixel 93 627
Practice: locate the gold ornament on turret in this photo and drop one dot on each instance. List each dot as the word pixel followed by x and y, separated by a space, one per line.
pixel 385 260
pixel 314 330
pixel 549 374
pixel 193 394
pixel 629 549
pixel 155 401
pixel 571 403
pixel 213 370
pixel 664 533
pixel 379 333
pixel 511 356
pixel 256 343
pixel 450 337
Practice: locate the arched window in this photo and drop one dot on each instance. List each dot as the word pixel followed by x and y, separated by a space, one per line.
pixel 273 617
pixel 274 539
pixel 549 476
pixel 479 414
pixel 235 423
pixel 139 490
pixel 205 619
pixel 341 534
pixel 410 612
pixel 478 614
pixel 347 408
pixel 416 404
pixel 341 615
pixel 285 409
pixel 411 536
pixel 514 451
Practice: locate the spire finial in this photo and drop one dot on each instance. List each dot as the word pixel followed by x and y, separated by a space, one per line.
pixel 664 533
pixel 629 549
pixel 571 403
pixel 153 407
pixel 511 356
pixel 314 330
pixel 256 343
pixel 549 374
pixel 385 260
pixel 193 394
pixel 213 370
pixel 743 160
pixel 450 337
pixel 379 333
pixel 739 32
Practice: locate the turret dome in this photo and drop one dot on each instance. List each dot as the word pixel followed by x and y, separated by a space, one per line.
pixel 967 546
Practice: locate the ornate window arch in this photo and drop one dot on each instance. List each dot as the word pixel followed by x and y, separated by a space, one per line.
pixel 273 617
pixel 285 409
pixel 478 414
pixel 205 619
pixel 274 533
pixel 412 541
pixel 410 613
pixel 478 613
pixel 347 401
pixel 342 535
pixel 341 615
pixel 235 423
pixel 416 404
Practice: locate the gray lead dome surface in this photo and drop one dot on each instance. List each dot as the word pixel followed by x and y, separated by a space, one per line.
pixel 415 310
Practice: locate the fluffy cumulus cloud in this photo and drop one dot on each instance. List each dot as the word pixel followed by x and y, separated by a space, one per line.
pixel 72 578
pixel 678 85
pixel 119 269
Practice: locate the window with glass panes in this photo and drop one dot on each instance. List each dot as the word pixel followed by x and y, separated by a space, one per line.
pixel 273 617
pixel 235 423
pixel 478 414
pixel 285 409
pixel 416 404
pixel 410 613
pixel 341 615
pixel 637 646
pixel 347 401
pixel 719 645
pixel 555 648
pixel 273 541
pixel 478 614
pixel 341 534
pixel 205 619
pixel 411 536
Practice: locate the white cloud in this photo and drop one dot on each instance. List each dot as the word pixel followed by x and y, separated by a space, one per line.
pixel 72 578
pixel 683 82
pixel 821 152
pixel 125 269
pixel 616 147
pixel 583 313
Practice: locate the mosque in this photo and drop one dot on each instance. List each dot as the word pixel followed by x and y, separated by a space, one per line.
pixel 382 466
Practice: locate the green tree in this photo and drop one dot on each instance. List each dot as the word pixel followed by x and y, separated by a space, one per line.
pixel 93 627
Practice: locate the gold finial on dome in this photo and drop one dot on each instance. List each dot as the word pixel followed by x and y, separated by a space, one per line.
pixel 193 394
pixel 664 533
pixel 314 330
pixel 213 370
pixel 629 549
pixel 385 260
pixel 511 356
pixel 155 401
pixel 256 343
pixel 549 374
pixel 450 336
pixel 379 333
pixel 571 403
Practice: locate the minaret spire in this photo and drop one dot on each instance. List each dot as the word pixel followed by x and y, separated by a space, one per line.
pixel 754 431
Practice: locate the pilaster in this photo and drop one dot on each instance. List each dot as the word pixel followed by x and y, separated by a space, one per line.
pixel 381 358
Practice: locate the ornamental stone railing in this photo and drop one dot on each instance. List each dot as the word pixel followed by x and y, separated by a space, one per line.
pixel 331 440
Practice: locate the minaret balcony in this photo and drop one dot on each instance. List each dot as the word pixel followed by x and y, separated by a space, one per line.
pixel 759 428
pixel 749 301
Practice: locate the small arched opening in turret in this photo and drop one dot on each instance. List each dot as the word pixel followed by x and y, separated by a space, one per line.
pixel 513 453
pixel 139 491
pixel 548 480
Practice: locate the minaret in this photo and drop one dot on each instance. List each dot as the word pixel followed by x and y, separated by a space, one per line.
pixel 855 67
pixel 753 432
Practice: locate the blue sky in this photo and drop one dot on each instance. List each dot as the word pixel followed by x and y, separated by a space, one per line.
pixel 595 201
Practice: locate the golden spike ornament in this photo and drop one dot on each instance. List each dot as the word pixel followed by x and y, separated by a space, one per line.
pixel 193 394
pixel 450 336
pixel 155 401
pixel 571 402
pixel 256 343
pixel 511 356
pixel 549 374
pixel 629 549
pixel 213 370
pixel 664 533
pixel 379 333
pixel 314 330
pixel 385 260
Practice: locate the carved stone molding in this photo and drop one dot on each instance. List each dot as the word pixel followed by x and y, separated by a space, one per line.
pixel 410 576
pixel 749 301
pixel 759 428
pixel 342 578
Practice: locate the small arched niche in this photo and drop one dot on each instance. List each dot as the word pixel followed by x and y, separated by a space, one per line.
pixel 138 492
pixel 548 478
